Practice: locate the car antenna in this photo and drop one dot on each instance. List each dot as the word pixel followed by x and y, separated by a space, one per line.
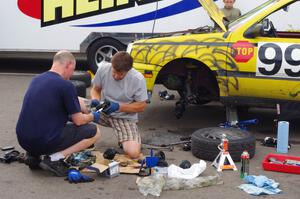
pixel 154 22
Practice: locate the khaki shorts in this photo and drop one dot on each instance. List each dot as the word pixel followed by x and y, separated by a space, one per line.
pixel 125 130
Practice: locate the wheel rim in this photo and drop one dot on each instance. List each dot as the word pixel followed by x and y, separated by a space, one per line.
pixel 104 54
pixel 229 135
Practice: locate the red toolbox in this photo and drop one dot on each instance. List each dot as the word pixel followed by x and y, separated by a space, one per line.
pixel 271 166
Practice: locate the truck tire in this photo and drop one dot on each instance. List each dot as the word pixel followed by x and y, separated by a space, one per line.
pixel 205 142
pixel 80 88
pixel 82 76
pixel 102 50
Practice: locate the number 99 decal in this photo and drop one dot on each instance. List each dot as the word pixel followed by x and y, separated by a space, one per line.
pixel 281 60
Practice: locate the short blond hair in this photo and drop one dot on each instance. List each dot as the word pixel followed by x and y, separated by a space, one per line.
pixel 63 56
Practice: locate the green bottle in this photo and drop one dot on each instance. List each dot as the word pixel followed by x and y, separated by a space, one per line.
pixel 245 164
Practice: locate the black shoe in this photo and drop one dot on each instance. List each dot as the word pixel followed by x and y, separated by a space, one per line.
pixel 59 168
pixel 32 161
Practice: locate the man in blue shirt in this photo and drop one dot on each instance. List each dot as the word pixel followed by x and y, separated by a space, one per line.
pixel 43 127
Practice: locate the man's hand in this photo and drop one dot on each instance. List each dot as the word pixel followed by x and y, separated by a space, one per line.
pixel 110 107
pixel 96 116
pixel 95 103
pixel 74 176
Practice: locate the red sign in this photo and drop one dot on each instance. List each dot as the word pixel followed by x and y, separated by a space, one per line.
pixel 31 8
pixel 243 51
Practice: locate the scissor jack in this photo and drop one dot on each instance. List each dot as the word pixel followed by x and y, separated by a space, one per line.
pixel 224 153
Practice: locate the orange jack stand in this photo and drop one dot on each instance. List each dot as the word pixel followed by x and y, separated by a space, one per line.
pixel 220 159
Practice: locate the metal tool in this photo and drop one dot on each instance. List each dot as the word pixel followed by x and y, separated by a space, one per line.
pixel 169 146
pixel 157 147
pixel 149 161
pixel 241 124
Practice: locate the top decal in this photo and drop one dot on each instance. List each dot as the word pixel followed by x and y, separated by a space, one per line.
pixel 243 51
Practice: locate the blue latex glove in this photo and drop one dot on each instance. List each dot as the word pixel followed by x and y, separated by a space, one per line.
pixel 74 176
pixel 112 107
pixel 95 103
pixel 96 116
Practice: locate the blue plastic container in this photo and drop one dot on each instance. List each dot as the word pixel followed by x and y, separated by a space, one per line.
pixel 282 137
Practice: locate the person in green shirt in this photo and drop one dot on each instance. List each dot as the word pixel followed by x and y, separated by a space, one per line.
pixel 229 11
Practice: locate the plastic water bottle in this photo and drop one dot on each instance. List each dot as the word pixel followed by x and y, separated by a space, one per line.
pixel 282 137
pixel 245 157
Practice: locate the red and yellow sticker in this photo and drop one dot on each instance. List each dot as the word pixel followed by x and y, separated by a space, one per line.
pixel 243 51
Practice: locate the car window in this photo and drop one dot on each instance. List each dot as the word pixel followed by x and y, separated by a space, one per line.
pixel 283 23
pixel 290 21
pixel 249 15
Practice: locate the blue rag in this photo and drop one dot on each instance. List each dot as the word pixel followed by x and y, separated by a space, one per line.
pixel 259 185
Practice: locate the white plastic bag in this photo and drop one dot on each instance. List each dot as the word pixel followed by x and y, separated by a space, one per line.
pixel 194 171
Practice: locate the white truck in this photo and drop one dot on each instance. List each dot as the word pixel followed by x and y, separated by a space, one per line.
pixel 94 28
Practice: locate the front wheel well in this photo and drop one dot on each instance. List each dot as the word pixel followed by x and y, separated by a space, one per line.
pixel 196 73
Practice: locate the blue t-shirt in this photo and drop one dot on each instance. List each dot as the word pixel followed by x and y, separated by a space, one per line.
pixel 47 104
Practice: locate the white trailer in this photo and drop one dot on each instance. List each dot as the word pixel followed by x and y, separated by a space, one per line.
pixel 95 28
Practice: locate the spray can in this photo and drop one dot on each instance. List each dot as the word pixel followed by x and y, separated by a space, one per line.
pixel 245 157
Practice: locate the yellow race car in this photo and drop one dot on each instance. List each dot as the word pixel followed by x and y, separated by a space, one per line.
pixel 252 61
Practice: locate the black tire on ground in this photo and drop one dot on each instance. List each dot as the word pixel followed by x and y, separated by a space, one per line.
pixel 80 87
pixel 82 76
pixel 205 142
pixel 102 50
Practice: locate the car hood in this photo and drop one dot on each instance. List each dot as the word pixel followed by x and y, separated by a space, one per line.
pixel 214 12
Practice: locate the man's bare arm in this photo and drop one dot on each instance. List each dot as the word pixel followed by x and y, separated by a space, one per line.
pixel 96 92
pixel 82 118
pixel 134 107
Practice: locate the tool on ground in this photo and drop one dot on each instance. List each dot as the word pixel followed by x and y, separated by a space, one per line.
pixel 187 147
pixel 157 147
pixel 164 95
pixel 185 141
pixel 11 156
pixel 272 142
pixel 219 162
pixel 161 159
pixel 245 157
pixel 241 124
pixel 175 143
pixel 185 164
pixel 74 176
pixel 110 153
pixel 150 161
pixel 81 159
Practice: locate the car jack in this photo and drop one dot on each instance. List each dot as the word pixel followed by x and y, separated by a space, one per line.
pixel 219 162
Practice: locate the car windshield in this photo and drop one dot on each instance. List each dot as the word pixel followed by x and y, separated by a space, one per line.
pixel 249 15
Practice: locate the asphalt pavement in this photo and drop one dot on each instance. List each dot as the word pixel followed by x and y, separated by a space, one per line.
pixel 158 122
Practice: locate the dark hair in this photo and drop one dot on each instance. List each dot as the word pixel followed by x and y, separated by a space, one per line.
pixel 122 61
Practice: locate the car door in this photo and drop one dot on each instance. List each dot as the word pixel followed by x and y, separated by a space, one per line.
pixel 268 66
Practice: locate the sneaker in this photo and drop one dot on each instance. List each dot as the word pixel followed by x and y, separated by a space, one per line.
pixel 32 161
pixel 59 168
